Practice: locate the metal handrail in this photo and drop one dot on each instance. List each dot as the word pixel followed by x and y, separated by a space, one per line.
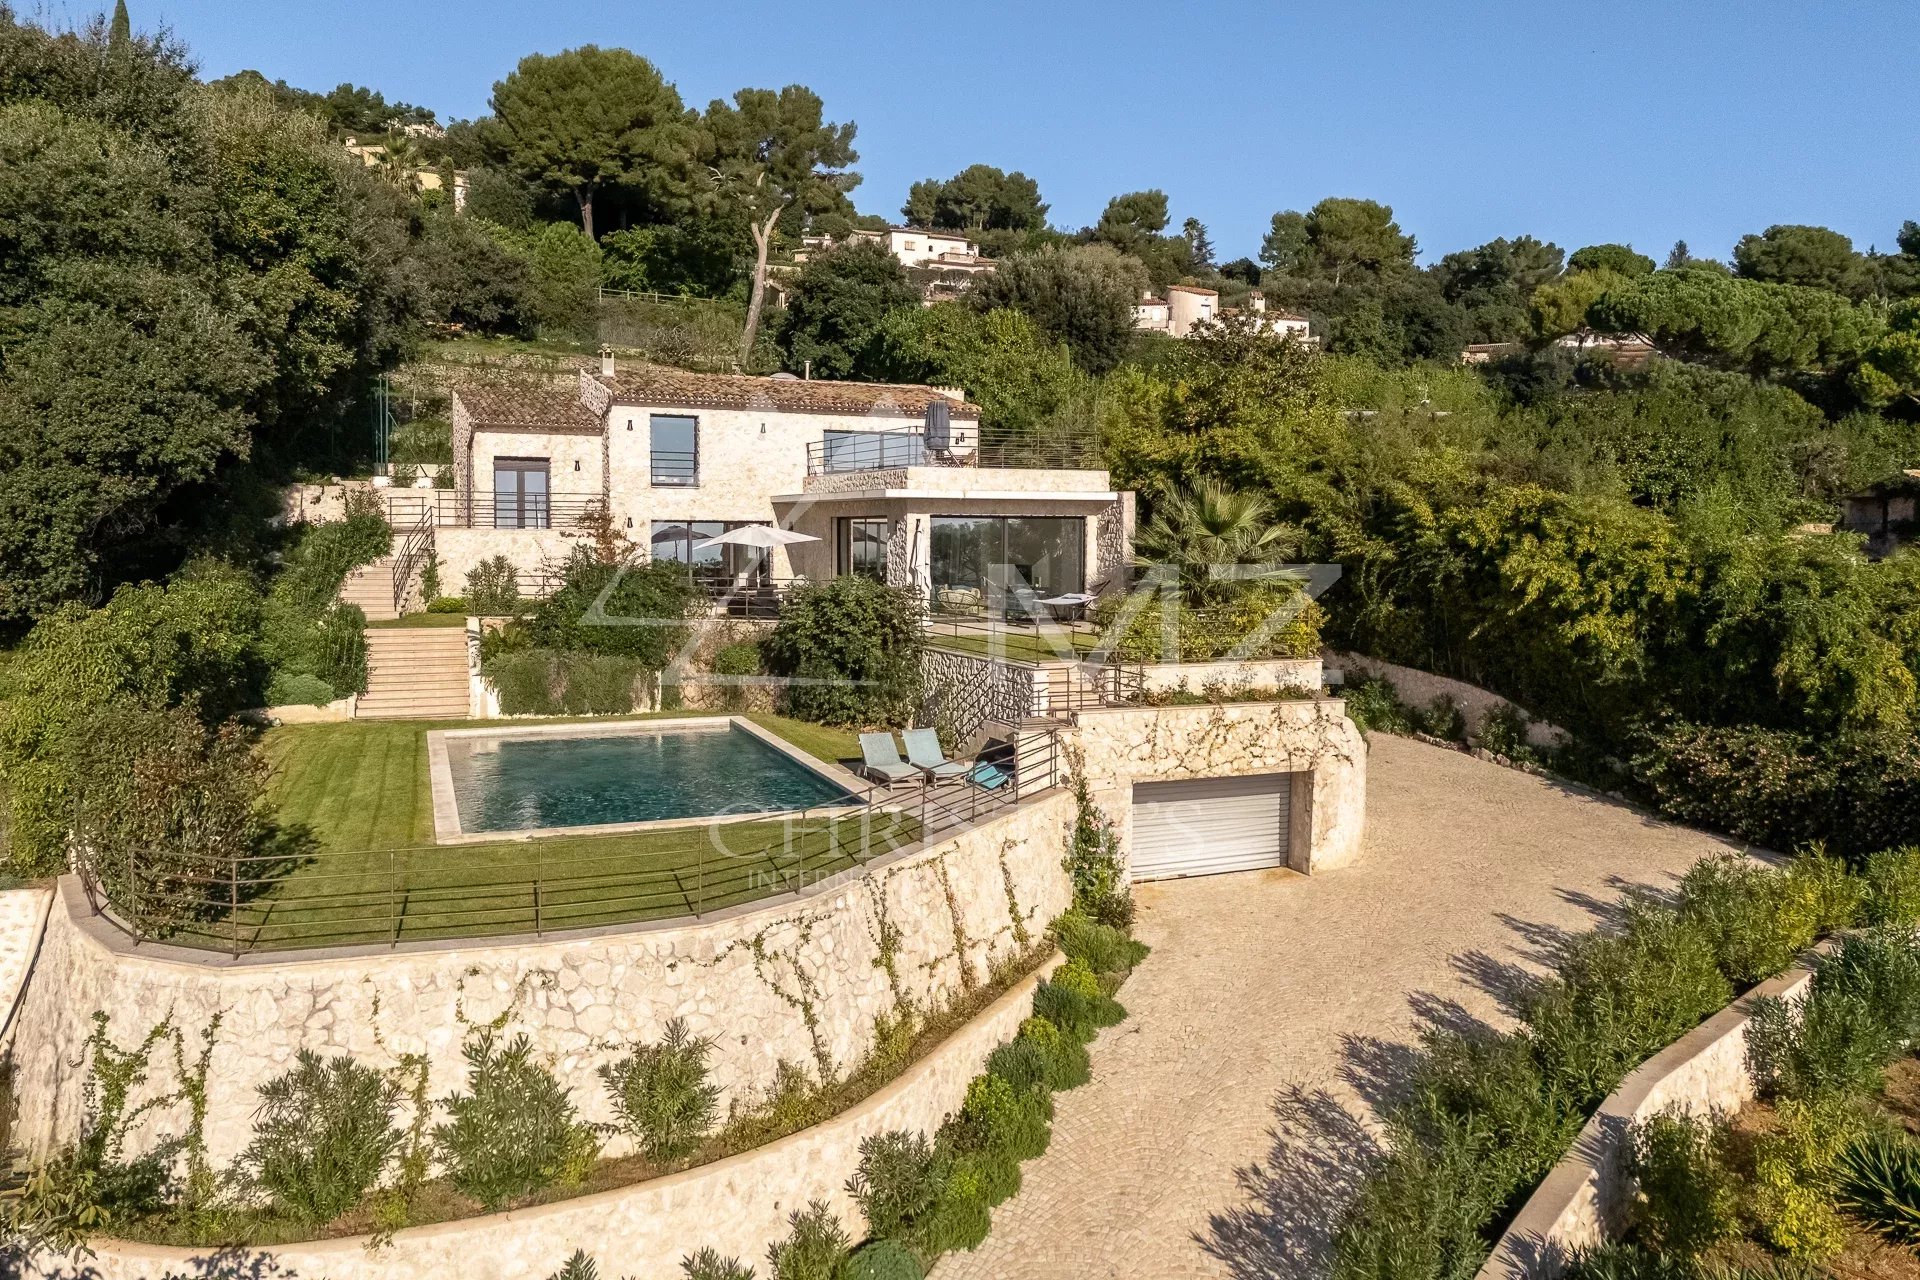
pixel 679 468
pixel 416 546
pixel 884 450
pixel 315 898
pixel 452 509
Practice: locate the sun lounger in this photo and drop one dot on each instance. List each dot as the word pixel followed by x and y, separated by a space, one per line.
pixel 880 758
pixel 924 754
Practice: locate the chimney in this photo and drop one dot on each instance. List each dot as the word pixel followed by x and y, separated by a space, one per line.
pixel 606 362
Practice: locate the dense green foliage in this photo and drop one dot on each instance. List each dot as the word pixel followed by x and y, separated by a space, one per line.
pixel 193 277
pixel 324 1133
pixel 850 649
pixel 836 305
pixel 661 1095
pixel 1486 1115
pixel 514 1130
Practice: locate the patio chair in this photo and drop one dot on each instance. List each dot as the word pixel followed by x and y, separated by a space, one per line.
pixel 880 758
pixel 924 754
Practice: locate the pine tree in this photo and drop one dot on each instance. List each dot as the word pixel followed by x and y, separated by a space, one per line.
pixel 1678 256
pixel 1199 244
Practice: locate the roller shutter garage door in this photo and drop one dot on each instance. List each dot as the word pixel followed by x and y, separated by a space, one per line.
pixel 1210 825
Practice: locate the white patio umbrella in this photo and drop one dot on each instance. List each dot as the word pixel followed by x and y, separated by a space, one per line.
pixel 764 536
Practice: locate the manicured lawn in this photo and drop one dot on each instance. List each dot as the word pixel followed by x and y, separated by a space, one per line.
pixel 1020 646
pixel 372 874
pixel 410 620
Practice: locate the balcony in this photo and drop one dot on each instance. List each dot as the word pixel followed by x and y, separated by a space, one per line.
pixel 449 509
pixel 892 450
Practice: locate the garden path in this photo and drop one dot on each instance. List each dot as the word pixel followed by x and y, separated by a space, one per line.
pixel 1229 1115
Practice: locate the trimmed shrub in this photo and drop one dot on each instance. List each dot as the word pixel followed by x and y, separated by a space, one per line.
pixel 1073 1000
pixel 1862 1008
pixel 815 1249
pixel 999 1118
pixel 1496 1084
pixel 1879 1182
pixel 1760 920
pixel 1617 998
pixel 1628 1262
pixel 1688 1200
pixel 1893 887
pixel 548 683
pixel 447 604
pixel 324 1132
pixel 963 1217
pixel 514 1131
pixel 1374 705
pixel 708 1264
pixel 741 658
pixel 660 1093
pixel 883 1260
pixel 1102 947
pixel 298 689
pixel 1068 1066
pixel 898 1184
pixel 493 588
pixel 1792 1196
pixel 852 647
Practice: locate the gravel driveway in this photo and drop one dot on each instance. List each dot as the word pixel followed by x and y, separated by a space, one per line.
pixel 1226 1116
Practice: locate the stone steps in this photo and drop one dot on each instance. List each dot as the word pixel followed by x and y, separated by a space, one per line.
pixel 416 673
pixel 371 587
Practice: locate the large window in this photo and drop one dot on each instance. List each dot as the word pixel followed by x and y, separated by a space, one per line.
pixel 675 444
pixel 860 546
pixel 725 564
pixel 986 558
pixel 520 496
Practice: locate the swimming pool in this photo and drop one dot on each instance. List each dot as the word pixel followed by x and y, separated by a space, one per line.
pixel 510 781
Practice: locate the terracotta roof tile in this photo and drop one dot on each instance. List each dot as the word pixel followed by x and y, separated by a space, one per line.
pixel 678 388
pixel 509 407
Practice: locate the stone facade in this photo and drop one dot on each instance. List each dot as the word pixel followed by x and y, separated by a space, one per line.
pixel 738 1206
pixel 1260 675
pixel 799 979
pixel 1312 738
pixel 1585 1199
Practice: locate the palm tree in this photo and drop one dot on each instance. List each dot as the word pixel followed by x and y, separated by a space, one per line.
pixel 1202 529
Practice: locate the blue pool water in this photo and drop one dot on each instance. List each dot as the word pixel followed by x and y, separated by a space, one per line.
pixel 517 784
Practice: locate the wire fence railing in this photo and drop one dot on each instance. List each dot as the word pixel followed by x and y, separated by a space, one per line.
pixel 298 895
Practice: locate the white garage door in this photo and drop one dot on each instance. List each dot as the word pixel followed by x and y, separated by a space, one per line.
pixel 1209 825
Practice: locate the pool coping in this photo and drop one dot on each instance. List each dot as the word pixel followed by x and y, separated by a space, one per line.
pixel 447 829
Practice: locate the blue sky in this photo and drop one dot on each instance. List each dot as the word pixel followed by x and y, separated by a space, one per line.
pixel 1643 122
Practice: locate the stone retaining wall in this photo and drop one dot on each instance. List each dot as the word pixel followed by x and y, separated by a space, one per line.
pixel 738 1205
pixel 1310 737
pixel 23 917
pixel 1584 1200
pixel 1420 688
pixel 799 979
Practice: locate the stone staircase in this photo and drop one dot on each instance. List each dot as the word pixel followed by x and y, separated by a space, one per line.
pixel 371 587
pixel 415 673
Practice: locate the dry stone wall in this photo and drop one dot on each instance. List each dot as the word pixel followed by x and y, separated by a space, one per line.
pixel 800 980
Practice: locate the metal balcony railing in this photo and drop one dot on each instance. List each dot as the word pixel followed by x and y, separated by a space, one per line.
pixel 883 450
pixel 450 509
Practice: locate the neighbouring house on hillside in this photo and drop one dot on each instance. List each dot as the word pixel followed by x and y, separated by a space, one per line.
pixel 942 263
pixel 1626 350
pixel 1186 307
pixel 1884 512
pixel 893 481
pixel 373 155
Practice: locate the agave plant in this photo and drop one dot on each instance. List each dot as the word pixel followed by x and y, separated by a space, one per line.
pixel 1207 525
pixel 1879 1177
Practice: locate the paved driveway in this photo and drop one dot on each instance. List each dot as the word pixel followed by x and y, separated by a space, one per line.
pixel 1226 1116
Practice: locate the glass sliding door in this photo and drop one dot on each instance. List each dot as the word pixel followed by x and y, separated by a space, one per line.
pixel 860 546
pixel 724 565
pixel 978 558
